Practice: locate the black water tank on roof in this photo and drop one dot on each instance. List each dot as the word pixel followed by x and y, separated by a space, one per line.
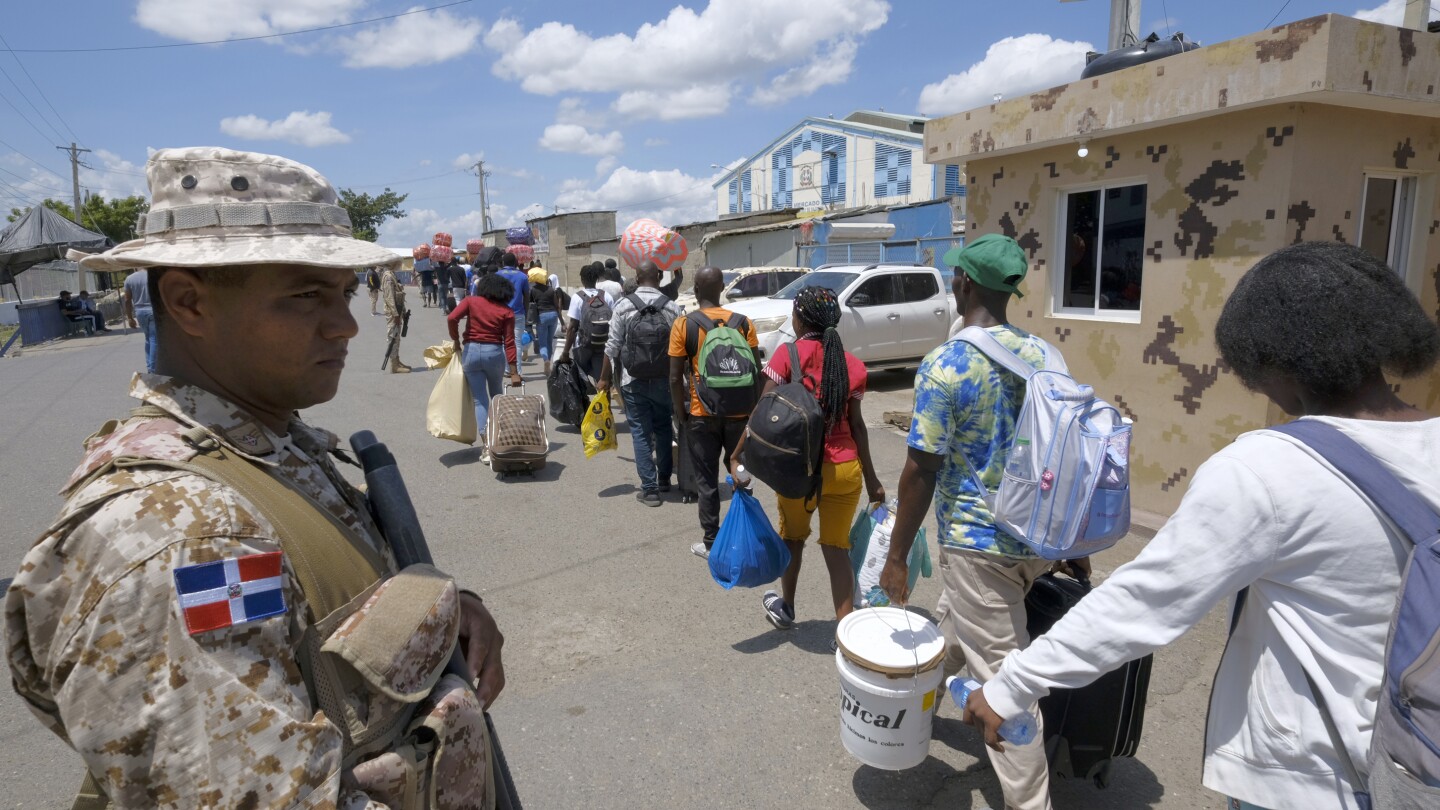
pixel 1149 50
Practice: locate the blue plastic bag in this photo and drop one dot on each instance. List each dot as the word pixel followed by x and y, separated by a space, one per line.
pixel 747 550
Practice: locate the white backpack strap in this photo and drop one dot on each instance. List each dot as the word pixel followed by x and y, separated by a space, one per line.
pixel 996 351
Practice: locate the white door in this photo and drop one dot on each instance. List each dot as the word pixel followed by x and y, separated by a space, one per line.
pixel 871 317
pixel 926 321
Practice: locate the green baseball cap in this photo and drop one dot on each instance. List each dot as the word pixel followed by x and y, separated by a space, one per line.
pixel 993 261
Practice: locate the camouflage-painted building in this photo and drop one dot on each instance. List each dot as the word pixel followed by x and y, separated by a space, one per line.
pixel 1193 168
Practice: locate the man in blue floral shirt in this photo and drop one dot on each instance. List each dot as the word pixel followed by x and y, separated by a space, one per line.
pixel 964 420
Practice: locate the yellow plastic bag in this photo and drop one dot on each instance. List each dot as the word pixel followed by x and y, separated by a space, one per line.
pixel 598 427
pixel 450 413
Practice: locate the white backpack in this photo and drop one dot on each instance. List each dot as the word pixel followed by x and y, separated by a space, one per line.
pixel 1066 489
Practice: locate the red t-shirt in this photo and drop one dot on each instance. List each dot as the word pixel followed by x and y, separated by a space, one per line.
pixel 839 444
pixel 485 322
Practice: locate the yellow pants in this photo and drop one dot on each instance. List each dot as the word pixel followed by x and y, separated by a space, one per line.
pixel 840 489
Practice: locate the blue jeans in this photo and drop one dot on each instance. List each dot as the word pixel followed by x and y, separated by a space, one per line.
pixel 484 365
pixel 145 317
pixel 545 334
pixel 648 409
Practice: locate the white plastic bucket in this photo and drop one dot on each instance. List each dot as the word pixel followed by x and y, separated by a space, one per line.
pixel 890 673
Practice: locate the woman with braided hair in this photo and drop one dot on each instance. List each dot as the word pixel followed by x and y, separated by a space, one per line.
pixel 837 379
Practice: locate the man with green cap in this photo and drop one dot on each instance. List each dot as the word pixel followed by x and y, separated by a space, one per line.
pixel 965 411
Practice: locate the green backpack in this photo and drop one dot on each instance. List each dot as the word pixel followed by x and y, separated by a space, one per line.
pixel 725 361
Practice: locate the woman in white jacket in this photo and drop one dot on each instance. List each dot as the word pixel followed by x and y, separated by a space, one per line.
pixel 1314 327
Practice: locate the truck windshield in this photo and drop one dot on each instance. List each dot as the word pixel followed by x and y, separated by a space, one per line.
pixel 834 279
pixel 729 277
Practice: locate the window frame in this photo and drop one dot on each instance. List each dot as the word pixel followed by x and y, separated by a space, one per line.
pixel 1404 225
pixel 929 277
pixel 893 280
pixel 1054 308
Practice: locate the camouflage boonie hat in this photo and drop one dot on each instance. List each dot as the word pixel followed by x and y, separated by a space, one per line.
pixel 215 207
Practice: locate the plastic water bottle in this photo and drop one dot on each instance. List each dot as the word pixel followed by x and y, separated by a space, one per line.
pixel 742 479
pixel 875 597
pixel 1019 729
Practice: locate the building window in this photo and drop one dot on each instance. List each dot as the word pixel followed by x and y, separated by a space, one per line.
pixel 892 170
pixel 1104 249
pixel 1387 215
pixel 734 194
pixel 745 197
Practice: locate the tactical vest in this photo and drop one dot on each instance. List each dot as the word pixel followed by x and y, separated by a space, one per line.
pixel 375 649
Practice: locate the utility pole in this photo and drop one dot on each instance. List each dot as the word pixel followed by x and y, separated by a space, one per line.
pixel 479 169
pixel 75 175
pixel 1124 22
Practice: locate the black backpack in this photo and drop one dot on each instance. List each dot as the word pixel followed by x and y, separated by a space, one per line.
pixel 785 438
pixel 646 353
pixel 594 320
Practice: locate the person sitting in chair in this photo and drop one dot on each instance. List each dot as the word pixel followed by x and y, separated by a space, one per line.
pixel 74 309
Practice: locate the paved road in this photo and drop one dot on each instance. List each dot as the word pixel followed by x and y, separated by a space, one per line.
pixel 634 681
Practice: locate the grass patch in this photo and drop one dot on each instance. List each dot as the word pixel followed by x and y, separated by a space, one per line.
pixel 6 332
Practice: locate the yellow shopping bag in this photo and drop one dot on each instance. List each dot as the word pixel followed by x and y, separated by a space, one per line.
pixel 598 427
pixel 451 411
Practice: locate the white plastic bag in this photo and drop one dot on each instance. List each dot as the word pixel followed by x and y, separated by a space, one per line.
pixel 450 413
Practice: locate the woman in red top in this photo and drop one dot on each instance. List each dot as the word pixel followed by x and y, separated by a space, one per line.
pixel 489 344
pixel 837 379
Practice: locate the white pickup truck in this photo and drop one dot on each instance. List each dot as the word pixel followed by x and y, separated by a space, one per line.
pixel 891 315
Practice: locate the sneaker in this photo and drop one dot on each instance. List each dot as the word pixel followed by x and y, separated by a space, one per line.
pixel 701 550
pixel 485 456
pixel 665 484
pixel 648 497
pixel 780 614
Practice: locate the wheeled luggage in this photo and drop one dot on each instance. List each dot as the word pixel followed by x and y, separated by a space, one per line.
pixel 685 466
pixel 1086 728
pixel 515 433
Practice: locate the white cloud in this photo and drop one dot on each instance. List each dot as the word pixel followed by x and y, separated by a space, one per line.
pixel 417 39
pixel 696 101
pixel 578 139
pixel 114 176
pixel 201 22
pixel 825 68
pixel 302 127
pixel 606 164
pixel 425 162
pixel 572 110
pixel 688 58
pixel 104 173
pixel 651 142
pixel 1391 12
pixel 1011 67
pixel 465 160
pixel 670 197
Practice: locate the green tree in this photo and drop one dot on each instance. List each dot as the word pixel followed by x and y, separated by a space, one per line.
pixel 368 213
pixel 114 218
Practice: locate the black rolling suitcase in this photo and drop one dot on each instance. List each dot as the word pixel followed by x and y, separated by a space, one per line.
pixel 1087 728
pixel 685 466
pixel 516 436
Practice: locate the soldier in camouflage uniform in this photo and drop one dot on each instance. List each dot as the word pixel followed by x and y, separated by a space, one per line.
pixel 172 625
pixel 393 293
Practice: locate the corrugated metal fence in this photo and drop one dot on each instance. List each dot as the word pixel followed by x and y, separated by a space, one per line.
pixel 915 251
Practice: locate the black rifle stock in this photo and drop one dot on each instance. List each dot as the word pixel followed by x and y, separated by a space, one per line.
pixel 394 512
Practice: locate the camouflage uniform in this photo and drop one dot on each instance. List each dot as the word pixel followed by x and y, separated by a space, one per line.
pixel 393 294
pixel 98 644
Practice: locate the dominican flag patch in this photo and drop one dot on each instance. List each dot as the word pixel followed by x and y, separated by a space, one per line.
pixel 230 592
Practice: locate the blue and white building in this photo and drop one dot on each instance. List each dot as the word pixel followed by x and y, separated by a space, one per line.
pixel 866 158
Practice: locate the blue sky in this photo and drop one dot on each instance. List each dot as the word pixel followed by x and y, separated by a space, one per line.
pixel 571 104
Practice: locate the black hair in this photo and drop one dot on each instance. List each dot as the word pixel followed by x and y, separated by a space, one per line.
pixel 510 260
pixel 611 263
pixel 818 309
pixel 589 274
pixel 495 287
pixel 1327 315
pixel 613 273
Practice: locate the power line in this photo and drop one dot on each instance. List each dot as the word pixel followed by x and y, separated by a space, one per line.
pixel 411 180
pixel 23 116
pixel 238 39
pixel 24 95
pixel 31 159
pixel 22 178
pixel 44 97
pixel 1277 14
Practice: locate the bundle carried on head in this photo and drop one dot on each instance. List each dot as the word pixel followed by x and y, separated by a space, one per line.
pixel 523 254
pixel 442 253
pixel 472 247
pixel 647 239
pixel 820 309
pixel 443 239
pixel 420 252
pixel 519 235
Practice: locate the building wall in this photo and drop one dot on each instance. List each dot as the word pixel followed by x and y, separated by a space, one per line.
pixel 1222 192
pixel 557 232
